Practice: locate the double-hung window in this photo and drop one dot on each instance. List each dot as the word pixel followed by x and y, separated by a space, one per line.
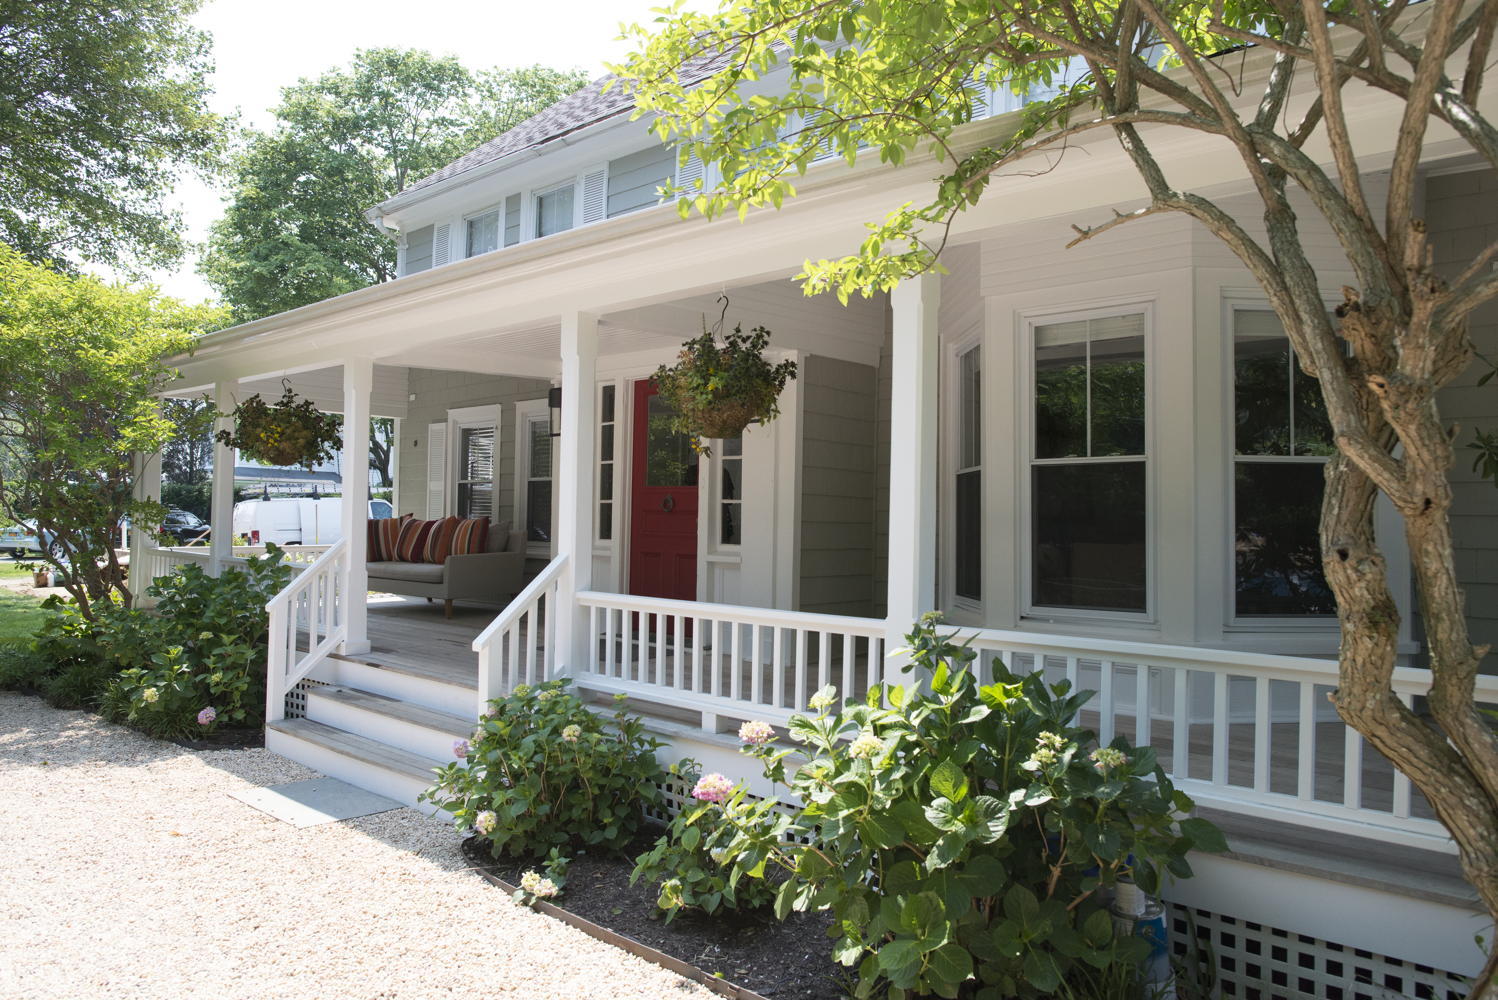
pixel 475 481
pixel 534 464
pixel 967 501
pixel 1089 523
pixel 554 209
pixel 1281 438
pixel 482 234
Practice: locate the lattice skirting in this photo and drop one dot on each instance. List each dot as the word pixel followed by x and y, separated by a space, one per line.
pixel 296 698
pixel 1257 962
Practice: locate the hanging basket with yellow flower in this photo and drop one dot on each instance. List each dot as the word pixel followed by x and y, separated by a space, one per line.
pixel 292 432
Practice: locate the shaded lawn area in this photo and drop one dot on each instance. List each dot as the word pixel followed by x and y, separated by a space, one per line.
pixel 20 616
pixel 10 570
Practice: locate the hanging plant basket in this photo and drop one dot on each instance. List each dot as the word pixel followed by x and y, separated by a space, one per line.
pixel 293 432
pixel 718 389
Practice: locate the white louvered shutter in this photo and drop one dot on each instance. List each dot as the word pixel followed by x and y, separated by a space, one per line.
pixel 595 196
pixel 436 470
pixel 442 245
pixel 689 171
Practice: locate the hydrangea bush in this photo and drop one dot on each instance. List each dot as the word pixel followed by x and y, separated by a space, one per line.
pixel 544 771
pixel 961 833
pixel 688 864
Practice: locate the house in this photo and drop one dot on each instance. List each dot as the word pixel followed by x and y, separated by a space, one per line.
pixel 1100 462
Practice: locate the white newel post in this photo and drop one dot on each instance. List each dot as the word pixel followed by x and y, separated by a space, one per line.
pixel 575 482
pixel 147 487
pixel 912 455
pixel 358 381
pixel 221 508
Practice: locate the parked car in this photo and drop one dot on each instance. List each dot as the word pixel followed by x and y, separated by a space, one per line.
pixel 184 527
pixel 20 540
pixel 297 520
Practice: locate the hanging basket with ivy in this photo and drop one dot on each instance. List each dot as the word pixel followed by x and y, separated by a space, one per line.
pixel 717 389
pixel 293 432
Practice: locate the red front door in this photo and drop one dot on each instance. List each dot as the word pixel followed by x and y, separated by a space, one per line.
pixel 663 503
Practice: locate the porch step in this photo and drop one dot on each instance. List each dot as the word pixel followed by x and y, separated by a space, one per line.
pixel 442 695
pixel 362 762
pixel 404 725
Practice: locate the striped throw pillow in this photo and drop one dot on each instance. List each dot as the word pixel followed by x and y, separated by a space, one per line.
pixel 440 540
pixel 472 536
pixel 411 545
pixel 384 532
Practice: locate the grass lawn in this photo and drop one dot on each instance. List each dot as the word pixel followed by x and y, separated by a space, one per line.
pixel 19 616
pixel 10 570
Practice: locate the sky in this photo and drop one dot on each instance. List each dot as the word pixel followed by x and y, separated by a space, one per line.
pixel 260 46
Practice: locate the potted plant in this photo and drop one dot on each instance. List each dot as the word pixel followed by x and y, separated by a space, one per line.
pixel 717 389
pixel 292 432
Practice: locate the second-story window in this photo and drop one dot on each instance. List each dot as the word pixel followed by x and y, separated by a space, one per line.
pixel 483 233
pixel 554 210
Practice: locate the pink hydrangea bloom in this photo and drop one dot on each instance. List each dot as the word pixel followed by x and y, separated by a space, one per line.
pixel 460 749
pixel 756 733
pixel 206 716
pixel 713 788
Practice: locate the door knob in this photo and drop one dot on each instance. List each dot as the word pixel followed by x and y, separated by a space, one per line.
pixel 668 504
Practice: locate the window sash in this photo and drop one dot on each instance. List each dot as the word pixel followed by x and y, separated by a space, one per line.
pixel 555 209
pixel 475 480
pixel 483 233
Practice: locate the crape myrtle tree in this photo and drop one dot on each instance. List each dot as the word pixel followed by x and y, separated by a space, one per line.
pixel 893 79
pixel 83 362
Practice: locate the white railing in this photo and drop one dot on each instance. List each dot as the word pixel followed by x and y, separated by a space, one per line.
pixel 519 646
pixel 722 659
pixel 307 621
pixel 1248 732
pixel 159 562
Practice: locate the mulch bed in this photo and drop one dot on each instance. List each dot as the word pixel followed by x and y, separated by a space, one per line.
pixel 779 960
pixel 252 738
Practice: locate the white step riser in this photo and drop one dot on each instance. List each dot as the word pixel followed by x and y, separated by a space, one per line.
pixel 381 728
pixel 459 701
pixel 361 774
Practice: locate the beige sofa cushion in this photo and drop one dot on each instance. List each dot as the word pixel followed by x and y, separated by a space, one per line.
pixel 414 572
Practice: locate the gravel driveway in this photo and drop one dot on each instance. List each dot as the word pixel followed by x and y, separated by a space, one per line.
pixel 126 870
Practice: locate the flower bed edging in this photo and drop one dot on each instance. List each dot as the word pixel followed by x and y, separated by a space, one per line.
pixel 639 949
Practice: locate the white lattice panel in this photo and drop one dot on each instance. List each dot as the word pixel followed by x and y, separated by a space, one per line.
pixel 1255 962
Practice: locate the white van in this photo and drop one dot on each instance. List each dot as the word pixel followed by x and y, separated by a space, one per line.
pixel 297 520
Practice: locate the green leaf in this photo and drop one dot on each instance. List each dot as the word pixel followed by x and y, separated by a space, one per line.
pixel 1020 904
pixel 900 961
pixel 948 781
pixel 1204 835
pixel 951 963
pixel 882 831
pixel 691 837
pixel 1041 971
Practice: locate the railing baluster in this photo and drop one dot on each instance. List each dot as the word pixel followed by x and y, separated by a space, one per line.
pixel 699 640
pixel 756 665
pixel 735 683
pixel 1352 767
pixel 777 694
pixel 1219 729
pixel 1141 704
pixel 876 660
pixel 1072 670
pixel 531 619
pixel 800 694
pixel 610 654
pixel 1305 785
pixel 847 665
pixel 824 659
pixel 679 667
pixel 1261 734
pixel 1105 702
pixel 715 657
pixel 1180 738
pixel 514 654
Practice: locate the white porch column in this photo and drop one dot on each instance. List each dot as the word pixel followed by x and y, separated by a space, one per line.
pixel 912 455
pixel 147 487
pixel 221 509
pixel 358 380
pixel 574 478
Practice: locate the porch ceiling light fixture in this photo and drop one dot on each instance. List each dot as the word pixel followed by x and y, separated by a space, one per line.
pixel 554 409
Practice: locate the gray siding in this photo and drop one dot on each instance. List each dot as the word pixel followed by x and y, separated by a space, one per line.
pixel 633 179
pixel 839 428
pixel 418 250
pixel 1461 211
pixel 437 392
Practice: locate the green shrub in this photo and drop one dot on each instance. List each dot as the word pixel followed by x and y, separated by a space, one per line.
pixel 961 835
pixel 687 864
pixel 203 646
pixel 23 669
pixel 542 771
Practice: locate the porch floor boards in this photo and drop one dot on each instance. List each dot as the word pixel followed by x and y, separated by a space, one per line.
pixel 411 636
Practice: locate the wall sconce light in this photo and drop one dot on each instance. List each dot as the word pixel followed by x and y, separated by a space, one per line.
pixel 554 409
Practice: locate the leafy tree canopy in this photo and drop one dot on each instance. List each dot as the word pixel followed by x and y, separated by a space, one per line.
pixel 83 361
pixel 295 231
pixel 1269 82
pixel 101 105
